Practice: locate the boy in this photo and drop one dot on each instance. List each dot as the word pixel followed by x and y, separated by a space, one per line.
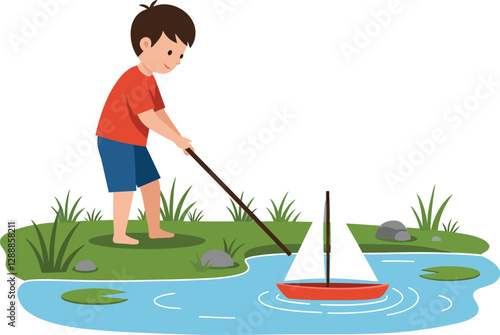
pixel 159 36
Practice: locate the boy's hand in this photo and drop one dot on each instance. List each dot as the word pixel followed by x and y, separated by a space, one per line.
pixel 183 143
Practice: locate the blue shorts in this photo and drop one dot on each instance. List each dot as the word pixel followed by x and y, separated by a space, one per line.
pixel 126 165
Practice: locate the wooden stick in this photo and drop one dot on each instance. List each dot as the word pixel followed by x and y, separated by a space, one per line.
pixel 238 201
pixel 328 246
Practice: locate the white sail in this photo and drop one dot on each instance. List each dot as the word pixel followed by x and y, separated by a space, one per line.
pixel 309 263
pixel 347 260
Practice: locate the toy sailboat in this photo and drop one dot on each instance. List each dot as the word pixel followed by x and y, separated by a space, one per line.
pixel 346 262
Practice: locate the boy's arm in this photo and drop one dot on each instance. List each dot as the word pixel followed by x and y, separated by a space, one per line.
pixel 151 120
pixel 164 117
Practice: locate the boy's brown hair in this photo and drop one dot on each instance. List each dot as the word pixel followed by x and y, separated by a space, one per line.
pixel 155 20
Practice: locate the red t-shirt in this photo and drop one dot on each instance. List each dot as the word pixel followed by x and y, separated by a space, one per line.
pixel 132 94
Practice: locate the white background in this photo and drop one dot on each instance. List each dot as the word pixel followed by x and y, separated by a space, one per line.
pixel 353 119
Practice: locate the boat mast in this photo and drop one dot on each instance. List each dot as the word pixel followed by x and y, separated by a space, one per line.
pixel 327 223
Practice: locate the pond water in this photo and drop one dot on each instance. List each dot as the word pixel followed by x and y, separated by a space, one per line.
pixel 252 304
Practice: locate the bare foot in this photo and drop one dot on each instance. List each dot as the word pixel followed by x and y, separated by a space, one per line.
pixel 124 240
pixel 161 234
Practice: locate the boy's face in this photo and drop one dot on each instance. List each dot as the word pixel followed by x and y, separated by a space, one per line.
pixel 162 57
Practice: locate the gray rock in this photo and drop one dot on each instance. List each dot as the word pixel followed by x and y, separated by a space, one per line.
pixel 85 266
pixel 402 236
pixel 436 239
pixel 216 259
pixel 389 229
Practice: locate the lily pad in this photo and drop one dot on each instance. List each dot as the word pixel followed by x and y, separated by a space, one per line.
pixel 92 296
pixel 450 273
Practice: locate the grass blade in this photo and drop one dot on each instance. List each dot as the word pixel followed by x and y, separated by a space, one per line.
pixel 237 216
pixel 289 216
pixel 164 203
pixel 197 217
pixel 437 219
pixel 64 268
pixel 38 257
pixel 235 250
pixel 250 203
pixel 287 209
pixel 63 247
pixel 425 223
pixel 60 212
pixel 231 245
pixel 240 215
pixel 66 207
pixel 77 215
pixel 429 217
pixel 43 247
pixel 52 243
pixel 275 210
pixel 70 218
pixel 418 219
pixel 272 216
pixel 453 228
pixel 447 227
pixel 172 195
pixel 180 204
pixel 183 216
pixel 234 218
pixel 247 217
pixel 281 205
pixel 243 215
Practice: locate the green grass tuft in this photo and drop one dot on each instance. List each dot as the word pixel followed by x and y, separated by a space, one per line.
pixel 231 249
pixel 66 215
pixel 450 228
pixel 171 212
pixel 198 267
pixel 93 216
pixel 194 216
pixel 426 221
pixel 142 215
pixel 280 214
pixel 237 213
pixel 46 258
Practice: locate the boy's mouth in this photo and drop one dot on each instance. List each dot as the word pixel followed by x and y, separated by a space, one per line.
pixel 166 66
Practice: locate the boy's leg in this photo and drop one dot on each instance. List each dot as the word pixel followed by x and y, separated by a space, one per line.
pixel 119 169
pixel 121 210
pixel 151 197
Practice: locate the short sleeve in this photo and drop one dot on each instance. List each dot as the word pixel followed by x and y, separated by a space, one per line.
pixel 157 99
pixel 144 96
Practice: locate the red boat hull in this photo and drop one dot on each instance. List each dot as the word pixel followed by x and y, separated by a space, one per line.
pixel 336 291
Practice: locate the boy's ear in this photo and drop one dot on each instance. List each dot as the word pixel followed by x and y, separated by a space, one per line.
pixel 145 43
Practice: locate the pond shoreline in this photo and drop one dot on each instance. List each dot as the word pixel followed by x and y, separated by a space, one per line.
pixel 230 276
pixel 171 261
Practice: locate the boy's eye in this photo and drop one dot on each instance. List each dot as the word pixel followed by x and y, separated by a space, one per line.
pixel 182 56
pixel 169 52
